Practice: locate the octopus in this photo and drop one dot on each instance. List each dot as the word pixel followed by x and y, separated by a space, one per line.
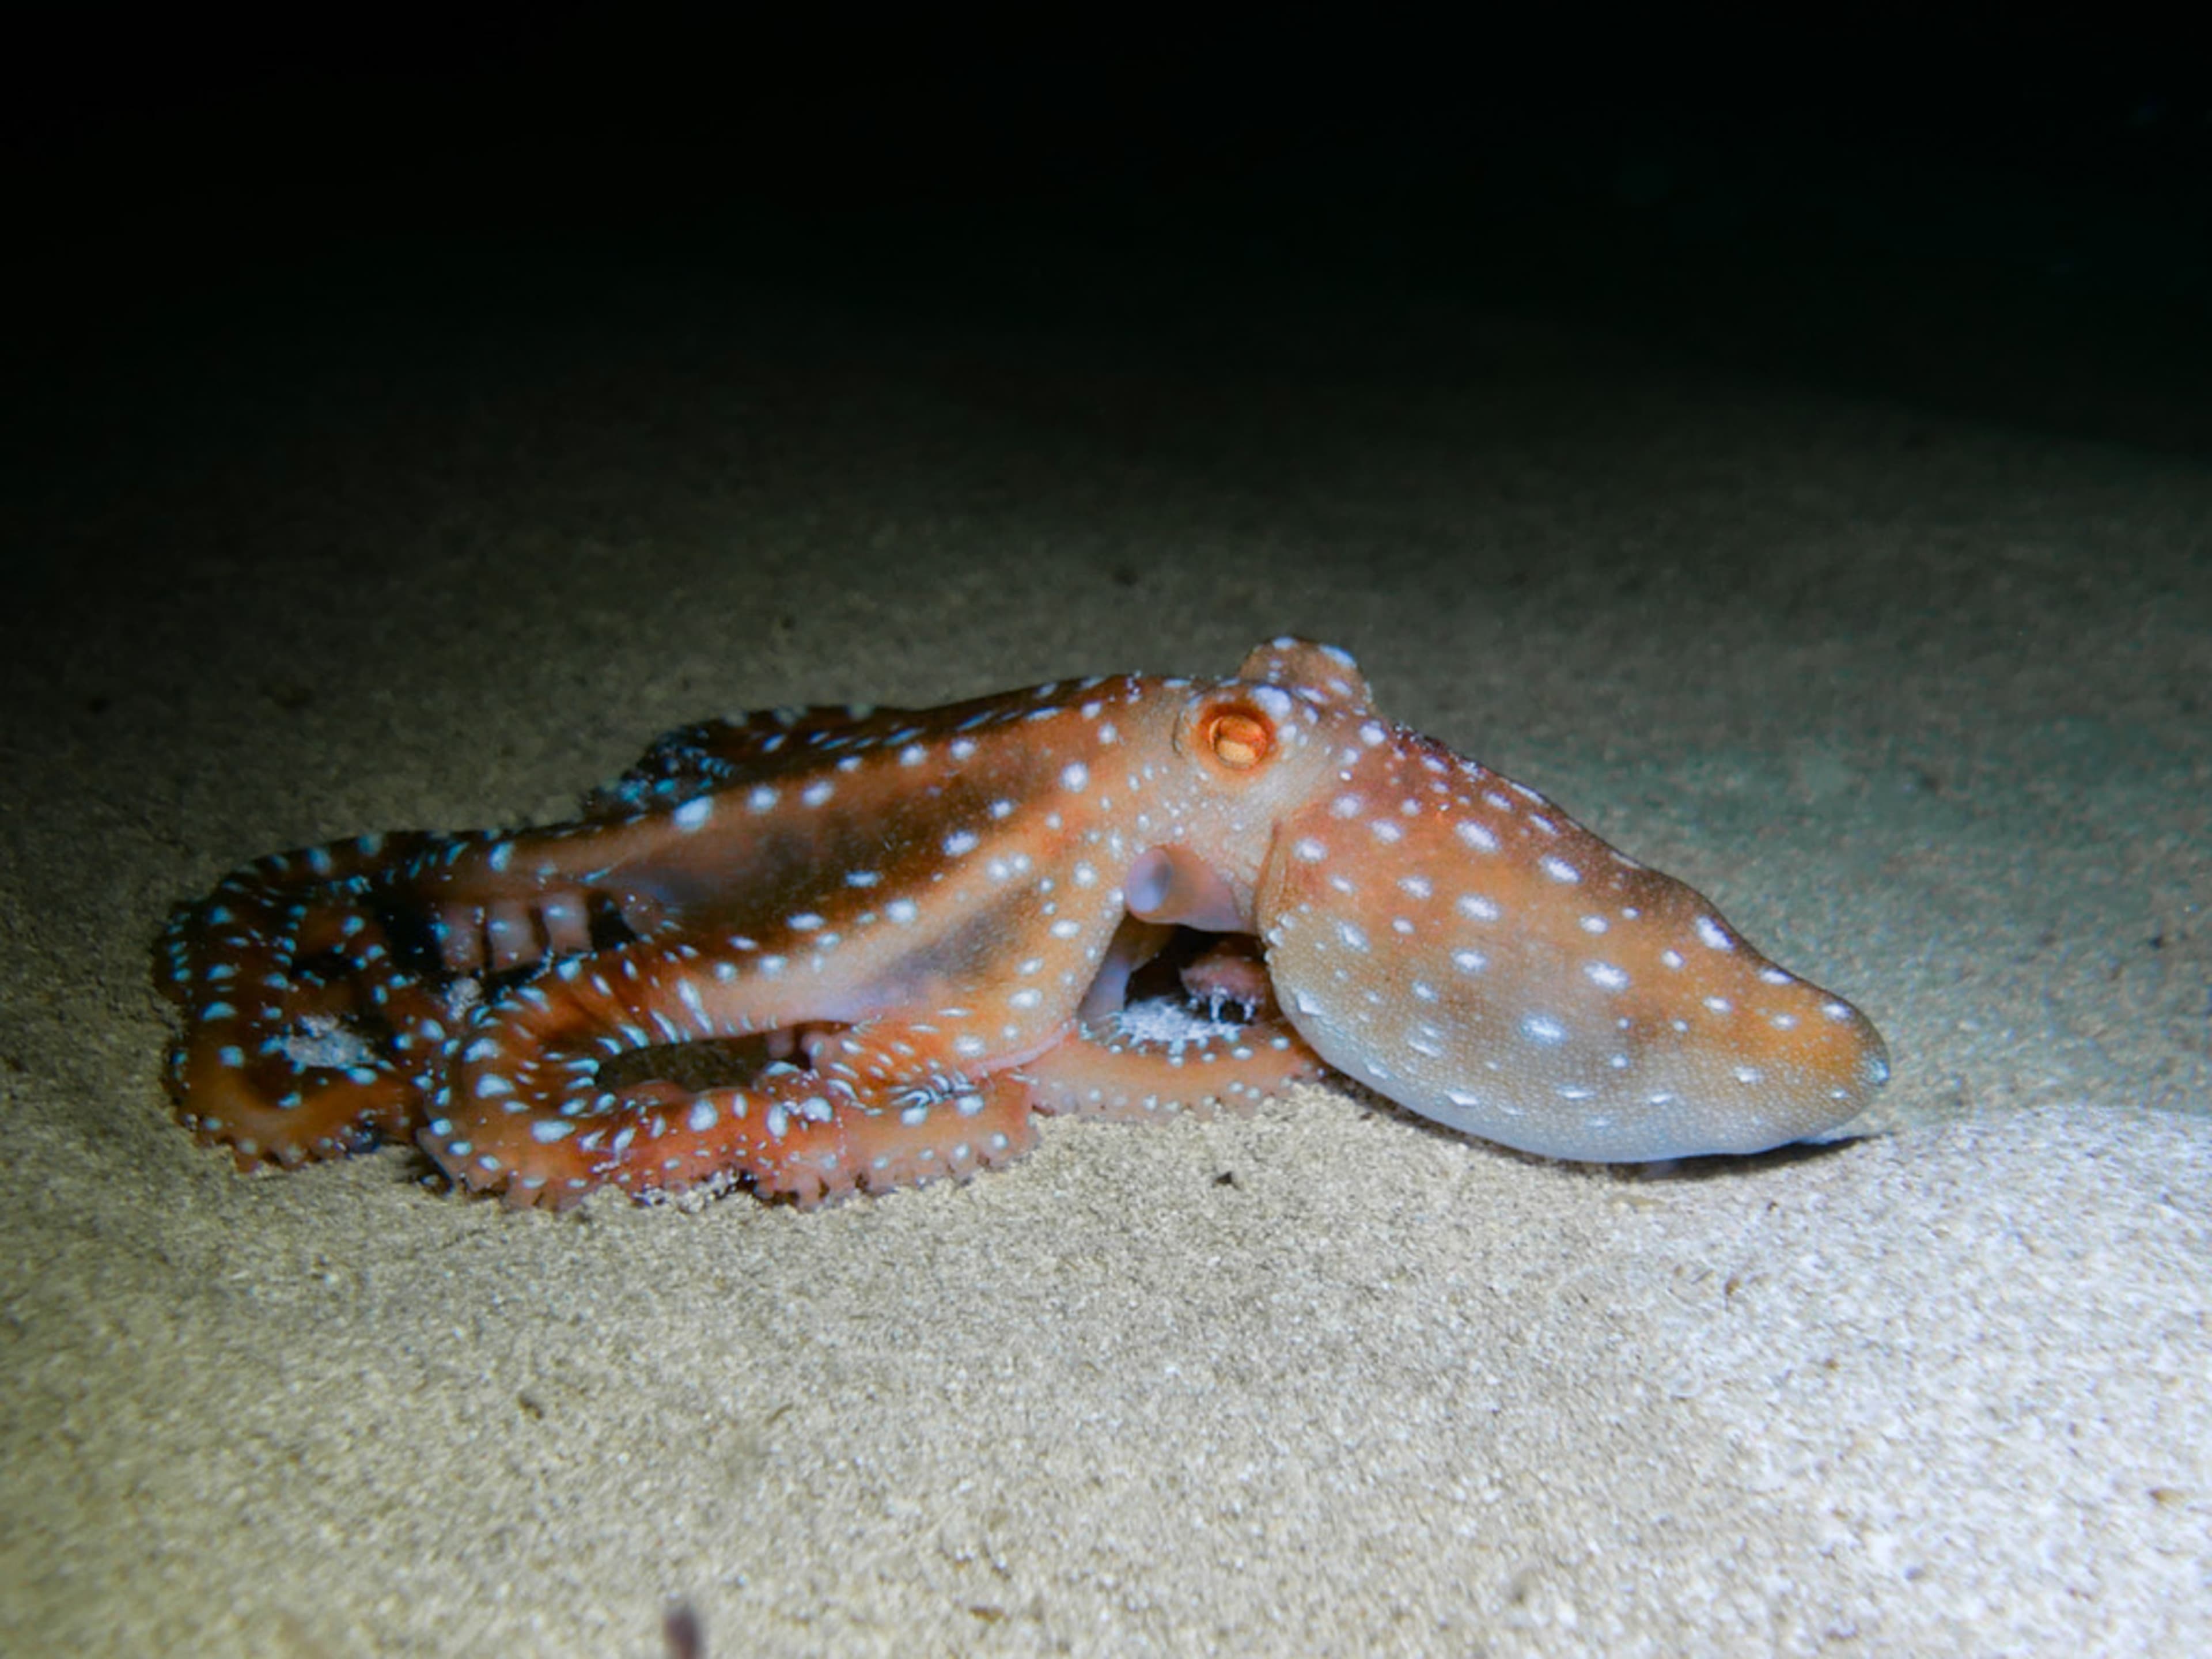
pixel 826 950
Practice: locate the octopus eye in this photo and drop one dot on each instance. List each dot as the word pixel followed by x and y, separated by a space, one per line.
pixel 1238 736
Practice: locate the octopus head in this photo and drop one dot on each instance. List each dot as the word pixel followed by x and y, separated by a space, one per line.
pixel 1454 941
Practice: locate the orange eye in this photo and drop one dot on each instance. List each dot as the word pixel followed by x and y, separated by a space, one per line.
pixel 1239 736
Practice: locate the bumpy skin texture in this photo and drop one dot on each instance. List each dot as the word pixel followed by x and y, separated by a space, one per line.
pixel 897 934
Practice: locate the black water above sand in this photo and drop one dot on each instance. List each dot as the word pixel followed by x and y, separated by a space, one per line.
pixel 1885 626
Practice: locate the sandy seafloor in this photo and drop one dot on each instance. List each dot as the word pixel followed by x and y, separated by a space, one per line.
pixel 1918 696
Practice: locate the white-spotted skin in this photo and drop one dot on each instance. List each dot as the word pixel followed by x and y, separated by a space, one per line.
pixel 1541 989
pixel 929 918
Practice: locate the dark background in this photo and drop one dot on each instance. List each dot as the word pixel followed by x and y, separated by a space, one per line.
pixel 1995 216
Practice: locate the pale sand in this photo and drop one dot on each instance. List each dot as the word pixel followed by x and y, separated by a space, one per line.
pixel 1919 700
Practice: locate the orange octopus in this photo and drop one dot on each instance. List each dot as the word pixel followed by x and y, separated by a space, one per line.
pixel 829 950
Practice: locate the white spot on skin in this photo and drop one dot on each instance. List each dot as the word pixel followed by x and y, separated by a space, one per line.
pixel 693 814
pixel 816 794
pixel 1559 869
pixel 1477 836
pixel 1417 886
pixel 1538 1028
pixel 1607 977
pixel 1474 905
pixel 1352 936
pixel 960 843
pixel 1308 849
pixel 1469 962
pixel 761 798
pixel 1386 832
pixel 900 910
pixel 1075 776
pixel 1710 932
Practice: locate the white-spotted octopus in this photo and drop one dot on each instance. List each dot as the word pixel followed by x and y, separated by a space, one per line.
pixel 829 950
